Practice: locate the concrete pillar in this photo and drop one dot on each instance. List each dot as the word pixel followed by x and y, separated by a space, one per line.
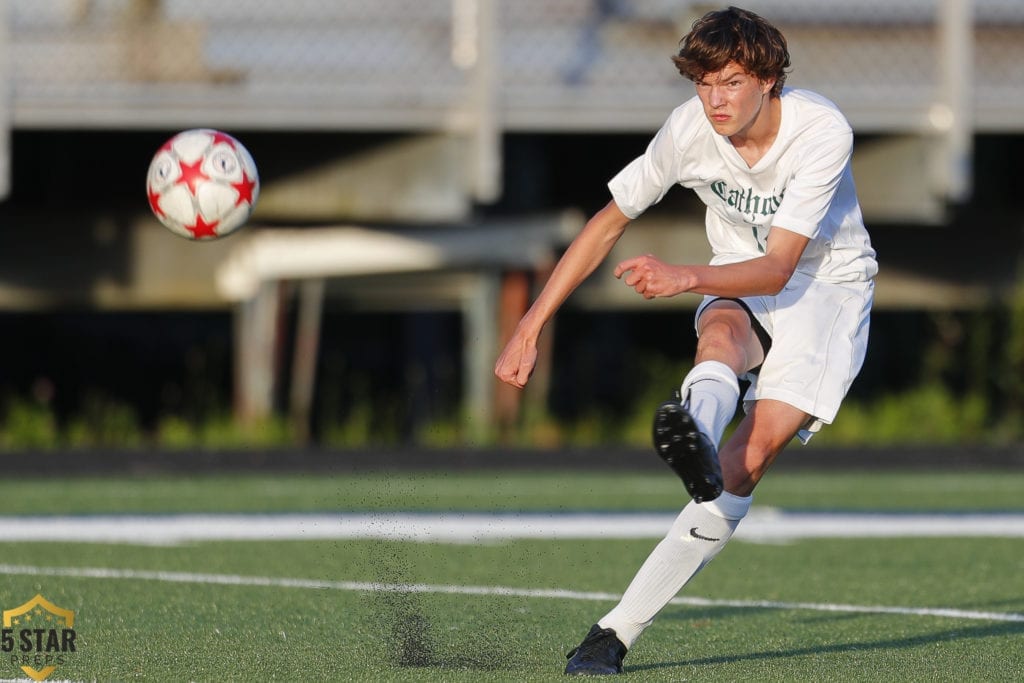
pixel 6 97
pixel 304 361
pixel 480 344
pixel 476 49
pixel 953 112
pixel 256 342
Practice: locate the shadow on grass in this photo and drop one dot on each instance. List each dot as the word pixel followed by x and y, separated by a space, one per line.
pixel 957 634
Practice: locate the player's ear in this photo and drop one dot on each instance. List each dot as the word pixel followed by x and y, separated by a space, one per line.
pixel 767 85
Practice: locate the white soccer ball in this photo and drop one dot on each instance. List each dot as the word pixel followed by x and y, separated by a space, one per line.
pixel 202 184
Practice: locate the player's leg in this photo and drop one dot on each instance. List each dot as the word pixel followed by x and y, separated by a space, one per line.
pixel 698 534
pixel 728 345
pixel 820 331
pixel 759 438
pixel 686 435
pixel 687 431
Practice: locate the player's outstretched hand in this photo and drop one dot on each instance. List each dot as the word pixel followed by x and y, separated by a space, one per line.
pixel 651 277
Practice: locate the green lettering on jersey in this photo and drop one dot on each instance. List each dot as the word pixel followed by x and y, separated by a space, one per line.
pixel 761 246
pixel 752 206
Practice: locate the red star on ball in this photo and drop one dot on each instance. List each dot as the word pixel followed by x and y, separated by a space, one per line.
pixel 191 175
pixel 202 229
pixel 225 138
pixel 244 189
pixel 154 203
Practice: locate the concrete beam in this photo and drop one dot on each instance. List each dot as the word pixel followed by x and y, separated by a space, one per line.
pixel 419 179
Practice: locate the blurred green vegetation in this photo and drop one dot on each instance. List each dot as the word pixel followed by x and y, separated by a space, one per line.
pixel 966 388
pixel 929 414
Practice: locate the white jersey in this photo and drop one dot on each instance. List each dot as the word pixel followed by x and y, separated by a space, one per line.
pixel 803 184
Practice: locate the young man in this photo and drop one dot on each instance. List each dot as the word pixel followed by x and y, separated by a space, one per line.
pixel 787 294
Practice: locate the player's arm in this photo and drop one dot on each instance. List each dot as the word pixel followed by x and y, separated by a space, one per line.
pixel 584 255
pixel 766 274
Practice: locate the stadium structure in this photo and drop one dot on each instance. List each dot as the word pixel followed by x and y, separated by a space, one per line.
pixel 412 151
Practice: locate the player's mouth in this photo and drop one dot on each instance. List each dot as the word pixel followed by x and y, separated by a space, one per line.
pixel 720 118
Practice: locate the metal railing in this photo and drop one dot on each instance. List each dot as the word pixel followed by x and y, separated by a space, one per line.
pixel 571 64
pixel 485 66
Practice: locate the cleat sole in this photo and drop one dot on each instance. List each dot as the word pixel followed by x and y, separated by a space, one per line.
pixel 688 452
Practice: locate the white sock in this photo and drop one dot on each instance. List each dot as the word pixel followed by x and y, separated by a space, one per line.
pixel 700 531
pixel 711 393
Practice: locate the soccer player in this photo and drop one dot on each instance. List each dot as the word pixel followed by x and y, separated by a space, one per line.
pixel 787 294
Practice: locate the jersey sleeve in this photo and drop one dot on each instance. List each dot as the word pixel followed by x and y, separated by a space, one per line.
pixel 646 179
pixel 810 191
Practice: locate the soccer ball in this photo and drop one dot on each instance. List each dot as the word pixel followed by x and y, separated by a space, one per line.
pixel 202 184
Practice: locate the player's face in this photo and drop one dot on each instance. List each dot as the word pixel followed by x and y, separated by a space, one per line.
pixel 732 98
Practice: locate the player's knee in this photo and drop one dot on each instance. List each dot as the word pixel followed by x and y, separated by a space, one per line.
pixel 725 320
pixel 720 333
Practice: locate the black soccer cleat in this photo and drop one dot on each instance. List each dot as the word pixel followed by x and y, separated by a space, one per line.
pixel 689 453
pixel 600 653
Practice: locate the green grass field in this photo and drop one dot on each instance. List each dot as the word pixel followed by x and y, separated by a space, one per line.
pixel 305 610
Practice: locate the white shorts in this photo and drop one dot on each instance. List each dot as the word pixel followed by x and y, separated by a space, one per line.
pixel 819 333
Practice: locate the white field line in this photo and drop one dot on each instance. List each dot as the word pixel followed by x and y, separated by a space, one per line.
pixel 762 525
pixel 554 593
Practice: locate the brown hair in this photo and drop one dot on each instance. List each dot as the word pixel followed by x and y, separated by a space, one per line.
pixel 734 35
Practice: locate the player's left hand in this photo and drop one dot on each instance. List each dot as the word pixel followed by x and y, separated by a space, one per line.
pixel 651 277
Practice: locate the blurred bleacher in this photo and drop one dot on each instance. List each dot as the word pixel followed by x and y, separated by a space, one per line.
pixel 918 79
pixel 407 64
